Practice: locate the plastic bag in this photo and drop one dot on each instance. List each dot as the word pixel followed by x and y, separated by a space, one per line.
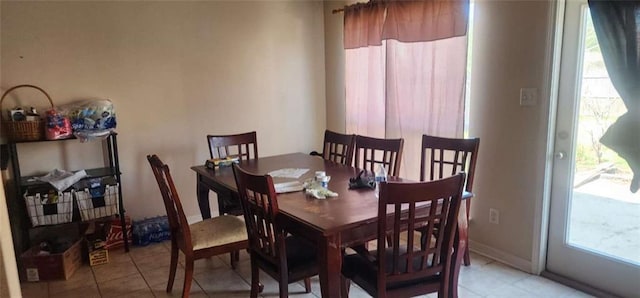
pixel 57 125
pixel 148 230
pixel 361 181
pixel 91 119
pixel 93 115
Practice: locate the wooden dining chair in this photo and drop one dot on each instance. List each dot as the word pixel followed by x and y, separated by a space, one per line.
pixel 444 157
pixel 244 146
pixel 407 268
pixel 337 147
pixel 286 258
pixel 210 237
pixel 370 152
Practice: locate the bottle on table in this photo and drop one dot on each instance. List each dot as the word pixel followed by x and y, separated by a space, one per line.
pixel 380 176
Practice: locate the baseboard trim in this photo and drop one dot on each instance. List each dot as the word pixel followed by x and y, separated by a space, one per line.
pixel 501 256
pixel 576 285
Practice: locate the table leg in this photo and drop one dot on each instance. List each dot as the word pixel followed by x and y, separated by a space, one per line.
pixel 202 192
pixel 330 265
pixel 460 247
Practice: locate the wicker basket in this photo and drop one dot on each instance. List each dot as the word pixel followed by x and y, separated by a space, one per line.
pixel 20 131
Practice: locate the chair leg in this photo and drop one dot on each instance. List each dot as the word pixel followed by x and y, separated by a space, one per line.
pixel 467 258
pixel 235 257
pixel 283 284
pixel 345 284
pixel 443 292
pixel 307 285
pixel 255 279
pixel 173 266
pixel 188 276
pixel 260 285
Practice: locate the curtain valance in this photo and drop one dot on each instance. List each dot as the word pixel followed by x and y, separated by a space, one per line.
pixel 406 21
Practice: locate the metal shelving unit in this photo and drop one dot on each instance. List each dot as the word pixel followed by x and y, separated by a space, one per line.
pixel 20 224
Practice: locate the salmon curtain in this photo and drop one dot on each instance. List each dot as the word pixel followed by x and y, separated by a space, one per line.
pixel 406 71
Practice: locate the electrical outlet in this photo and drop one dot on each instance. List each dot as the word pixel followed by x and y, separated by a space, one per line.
pixel 494 216
pixel 528 96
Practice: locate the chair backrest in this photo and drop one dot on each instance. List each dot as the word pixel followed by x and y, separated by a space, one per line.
pixel 244 146
pixel 338 147
pixel 260 208
pixel 420 260
pixel 443 157
pixel 371 152
pixel 175 214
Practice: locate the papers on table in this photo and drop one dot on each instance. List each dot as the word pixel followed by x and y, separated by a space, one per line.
pixel 61 179
pixel 312 187
pixel 313 190
pixel 294 173
pixel 288 186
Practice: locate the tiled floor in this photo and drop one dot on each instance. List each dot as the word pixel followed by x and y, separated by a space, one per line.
pixel 144 271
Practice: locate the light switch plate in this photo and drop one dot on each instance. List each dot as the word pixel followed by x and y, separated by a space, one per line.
pixel 528 96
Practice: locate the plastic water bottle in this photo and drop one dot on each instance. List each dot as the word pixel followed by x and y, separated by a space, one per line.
pixel 380 176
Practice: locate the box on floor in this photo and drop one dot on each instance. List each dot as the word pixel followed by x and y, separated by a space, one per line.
pixel 55 253
pixel 41 266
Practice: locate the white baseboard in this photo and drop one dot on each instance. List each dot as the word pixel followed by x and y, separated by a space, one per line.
pixel 501 256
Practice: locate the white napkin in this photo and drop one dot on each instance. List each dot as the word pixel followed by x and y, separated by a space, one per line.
pixel 320 193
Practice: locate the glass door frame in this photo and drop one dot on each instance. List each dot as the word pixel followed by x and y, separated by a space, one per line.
pixel 556 254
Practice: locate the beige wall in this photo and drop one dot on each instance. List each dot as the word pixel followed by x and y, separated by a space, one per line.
pixel 509 52
pixel 334 65
pixel 175 71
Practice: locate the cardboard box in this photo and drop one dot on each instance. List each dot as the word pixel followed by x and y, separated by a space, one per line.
pixel 96 250
pixel 109 229
pixel 50 267
pixel 67 232
pixel 98 254
pixel 114 233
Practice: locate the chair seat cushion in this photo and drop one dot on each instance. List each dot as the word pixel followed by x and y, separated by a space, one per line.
pixel 217 231
pixel 364 272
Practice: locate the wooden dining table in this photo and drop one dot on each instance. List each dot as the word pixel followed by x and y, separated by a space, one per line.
pixel 333 223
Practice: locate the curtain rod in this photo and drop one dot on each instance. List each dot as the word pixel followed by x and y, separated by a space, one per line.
pixel 337 10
